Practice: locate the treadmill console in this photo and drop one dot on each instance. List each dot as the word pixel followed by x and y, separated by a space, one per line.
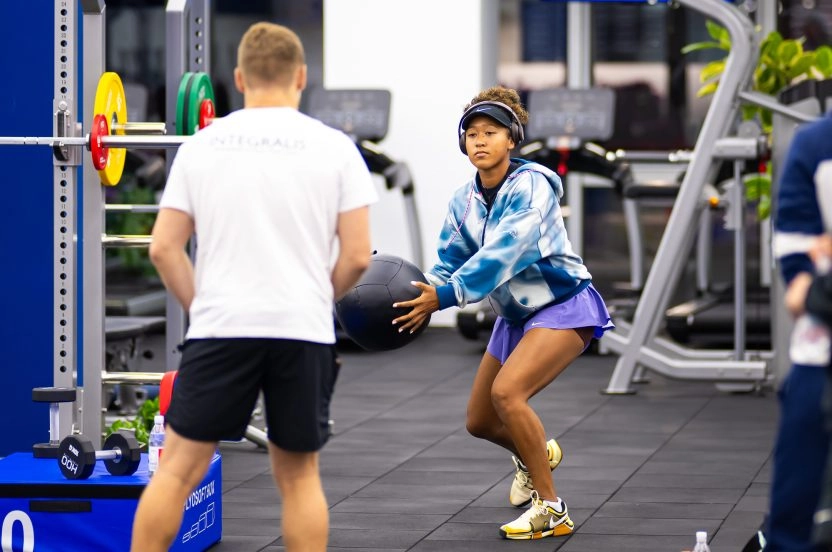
pixel 584 114
pixel 362 114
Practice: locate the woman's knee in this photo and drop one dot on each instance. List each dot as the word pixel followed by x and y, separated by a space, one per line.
pixel 479 427
pixel 506 400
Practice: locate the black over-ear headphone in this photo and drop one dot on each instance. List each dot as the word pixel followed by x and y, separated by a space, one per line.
pixel 515 130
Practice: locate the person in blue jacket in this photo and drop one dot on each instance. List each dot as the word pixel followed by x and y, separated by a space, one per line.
pixel 504 240
pixel 803 215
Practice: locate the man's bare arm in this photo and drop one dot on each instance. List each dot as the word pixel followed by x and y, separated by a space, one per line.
pixel 354 249
pixel 171 232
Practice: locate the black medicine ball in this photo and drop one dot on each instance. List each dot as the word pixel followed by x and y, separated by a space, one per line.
pixel 366 312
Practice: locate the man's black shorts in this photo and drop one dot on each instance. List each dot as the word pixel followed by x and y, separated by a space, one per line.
pixel 219 381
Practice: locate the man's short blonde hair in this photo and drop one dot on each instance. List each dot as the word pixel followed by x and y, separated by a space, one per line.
pixel 268 55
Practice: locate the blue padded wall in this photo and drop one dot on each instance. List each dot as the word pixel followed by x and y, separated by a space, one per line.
pixel 26 221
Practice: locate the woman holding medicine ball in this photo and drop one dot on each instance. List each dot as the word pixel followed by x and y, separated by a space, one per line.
pixel 504 239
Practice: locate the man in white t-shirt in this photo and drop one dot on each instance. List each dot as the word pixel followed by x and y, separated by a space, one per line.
pixel 272 196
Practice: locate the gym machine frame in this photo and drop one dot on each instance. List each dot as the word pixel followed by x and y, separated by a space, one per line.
pixel 187 35
pixel 93 240
pixel 637 344
pixel 188 27
pixel 87 413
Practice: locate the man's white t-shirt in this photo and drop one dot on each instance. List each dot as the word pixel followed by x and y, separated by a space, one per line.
pixel 265 187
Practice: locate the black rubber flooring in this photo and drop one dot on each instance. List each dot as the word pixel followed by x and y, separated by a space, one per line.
pixel 640 473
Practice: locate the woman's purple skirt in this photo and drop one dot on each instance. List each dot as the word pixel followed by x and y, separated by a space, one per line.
pixel 587 309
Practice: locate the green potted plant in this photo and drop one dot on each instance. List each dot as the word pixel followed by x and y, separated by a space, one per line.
pixel 782 62
pixel 140 425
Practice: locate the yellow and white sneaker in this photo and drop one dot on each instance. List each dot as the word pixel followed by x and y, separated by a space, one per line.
pixel 522 486
pixel 540 520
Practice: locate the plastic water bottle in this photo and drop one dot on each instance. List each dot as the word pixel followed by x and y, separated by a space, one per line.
pixel 155 444
pixel 701 542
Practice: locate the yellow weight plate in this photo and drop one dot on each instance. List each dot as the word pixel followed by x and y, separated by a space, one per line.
pixel 111 102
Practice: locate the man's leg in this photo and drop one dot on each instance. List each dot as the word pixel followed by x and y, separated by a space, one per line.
pixel 159 514
pixel 305 513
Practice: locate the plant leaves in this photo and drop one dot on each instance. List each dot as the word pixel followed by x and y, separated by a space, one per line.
pixel 749 111
pixel 771 42
pixel 823 61
pixel 712 70
pixel 802 66
pixel 766 120
pixel 756 186
pixel 716 31
pixel 696 46
pixel 766 60
pixel 788 51
pixel 708 89
pixel 764 207
pixel 766 80
pixel 141 424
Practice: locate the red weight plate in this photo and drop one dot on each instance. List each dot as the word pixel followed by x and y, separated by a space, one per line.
pixel 100 153
pixel 206 113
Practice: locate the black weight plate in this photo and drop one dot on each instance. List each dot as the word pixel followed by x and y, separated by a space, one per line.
pixel 76 457
pixel 129 454
pixel 53 394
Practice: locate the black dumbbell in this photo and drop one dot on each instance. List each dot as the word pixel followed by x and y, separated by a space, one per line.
pixel 77 455
pixel 54 396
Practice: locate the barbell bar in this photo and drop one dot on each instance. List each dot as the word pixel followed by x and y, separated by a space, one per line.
pixel 131 378
pixel 113 240
pixel 130 208
pixel 110 141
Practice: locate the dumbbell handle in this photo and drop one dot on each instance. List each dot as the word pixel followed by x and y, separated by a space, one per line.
pixel 112 454
pixel 54 420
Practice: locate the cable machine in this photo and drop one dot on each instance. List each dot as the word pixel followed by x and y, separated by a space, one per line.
pixel 638 344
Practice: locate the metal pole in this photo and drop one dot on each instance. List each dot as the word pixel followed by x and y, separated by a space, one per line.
pixel 176 53
pixel 739 262
pixel 767 22
pixel 176 45
pixel 111 141
pixel 771 103
pixel 139 128
pixel 188 39
pixel 112 240
pixel 65 186
pixel 578 75
pixel 767 16
pixel 143 142
pixel 199 38
pixel 93 281
pixel 130 208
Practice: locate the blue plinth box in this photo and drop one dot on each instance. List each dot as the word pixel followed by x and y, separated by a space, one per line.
pixel 42 511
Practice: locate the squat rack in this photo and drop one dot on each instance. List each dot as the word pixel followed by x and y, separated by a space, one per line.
pixel 188 49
